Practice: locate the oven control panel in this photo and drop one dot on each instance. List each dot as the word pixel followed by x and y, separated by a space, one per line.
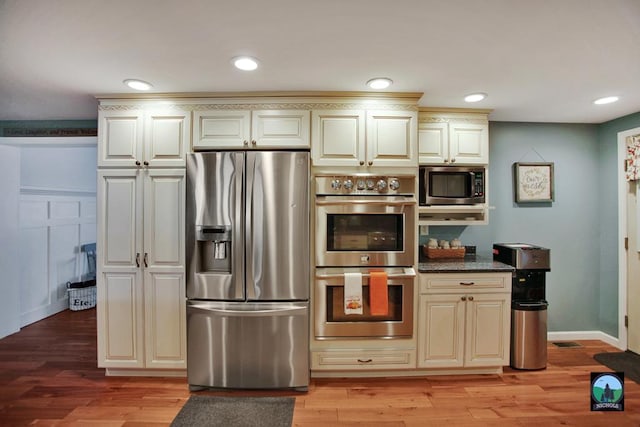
pixel 365 184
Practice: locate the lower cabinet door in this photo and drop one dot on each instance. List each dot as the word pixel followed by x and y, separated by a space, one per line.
pixel 165 321
pixel 441 324
pixel 488 330
pixel 120 319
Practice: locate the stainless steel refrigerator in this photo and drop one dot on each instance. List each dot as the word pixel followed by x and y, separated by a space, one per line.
pixel 247 250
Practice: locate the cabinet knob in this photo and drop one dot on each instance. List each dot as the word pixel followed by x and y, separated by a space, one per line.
pixel 253 142
pixel 245 142
pixel 370 162
pixel 463 298
pixel 453 160
pixel 361 162
pixel 145 163
pixel 470 298
pixel 137 162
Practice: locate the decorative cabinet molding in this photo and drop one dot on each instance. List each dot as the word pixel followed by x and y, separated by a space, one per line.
pixel 451 137
pixel 464 320
pixel 240 129
pixel 364 138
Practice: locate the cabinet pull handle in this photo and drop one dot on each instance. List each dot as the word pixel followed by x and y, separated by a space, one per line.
pixel 463 298
pixel 145 260
pixel 467 283
pixel 137 162
pixel 365 360
pixel 361 162
pixel 471 298
pixel 138 260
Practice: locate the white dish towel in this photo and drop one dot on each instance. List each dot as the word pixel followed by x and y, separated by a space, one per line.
pixel 352 293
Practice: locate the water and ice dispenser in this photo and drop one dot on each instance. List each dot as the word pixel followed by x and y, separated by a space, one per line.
pixel 214 248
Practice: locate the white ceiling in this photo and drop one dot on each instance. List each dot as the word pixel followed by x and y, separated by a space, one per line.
pixel 539 61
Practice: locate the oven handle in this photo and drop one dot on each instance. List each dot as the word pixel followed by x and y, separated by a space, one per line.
pixel 323 200
pixel 406 275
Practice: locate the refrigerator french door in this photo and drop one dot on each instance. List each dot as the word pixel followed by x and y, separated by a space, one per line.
pixel 247 250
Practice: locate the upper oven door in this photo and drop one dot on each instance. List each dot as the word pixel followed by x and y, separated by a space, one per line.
pixel 365 231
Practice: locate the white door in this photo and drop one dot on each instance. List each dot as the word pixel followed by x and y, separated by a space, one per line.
pixel 166 138
pixel 633 270
pixel 163 263
pixel 338 138
pixel 120 312
pixel 487 337
pixel 441 331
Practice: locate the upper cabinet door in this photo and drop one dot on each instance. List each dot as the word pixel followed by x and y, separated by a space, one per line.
pixel 469 143
pixel 229 129
pixel 166 138
pixel 433 143
pixel 338 138
pixel 120 138
pixel 392 138
pixel 280 129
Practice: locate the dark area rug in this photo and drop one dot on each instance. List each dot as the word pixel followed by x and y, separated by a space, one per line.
pixel 624 361
pixel 236 412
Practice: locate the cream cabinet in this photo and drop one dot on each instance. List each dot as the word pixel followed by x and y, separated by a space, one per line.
pixel 130 138
pixel 260 129
pixel 140 267
pixel 453 138
pixel 364 138
pixel 464 320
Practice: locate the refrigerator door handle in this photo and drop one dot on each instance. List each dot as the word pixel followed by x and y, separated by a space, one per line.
pixel 238 260
pixel 251 256
pixel 229 312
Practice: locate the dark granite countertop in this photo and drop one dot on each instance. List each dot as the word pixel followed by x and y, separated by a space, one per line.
pixel 470 263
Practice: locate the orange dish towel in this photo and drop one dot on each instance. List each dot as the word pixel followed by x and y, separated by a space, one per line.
pixel 378 296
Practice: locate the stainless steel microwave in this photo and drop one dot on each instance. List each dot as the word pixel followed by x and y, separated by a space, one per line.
pixel 452 185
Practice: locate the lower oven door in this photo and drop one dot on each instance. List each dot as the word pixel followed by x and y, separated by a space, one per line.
pixel 329 313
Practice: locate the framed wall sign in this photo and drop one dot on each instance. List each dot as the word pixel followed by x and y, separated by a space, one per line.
pixel 533 182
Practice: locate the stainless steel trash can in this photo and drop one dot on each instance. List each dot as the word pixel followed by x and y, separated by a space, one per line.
pixel 529 334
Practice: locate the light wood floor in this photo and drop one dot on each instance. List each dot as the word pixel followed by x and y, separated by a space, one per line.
pixel 48 376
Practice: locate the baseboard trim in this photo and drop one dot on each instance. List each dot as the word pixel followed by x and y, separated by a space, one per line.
pixel 585 335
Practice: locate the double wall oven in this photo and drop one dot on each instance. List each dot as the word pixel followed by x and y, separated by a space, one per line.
pixel 364 223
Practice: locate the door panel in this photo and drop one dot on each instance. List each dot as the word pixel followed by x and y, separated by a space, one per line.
pixel 633 269
pixel 214 237
pixel 277 225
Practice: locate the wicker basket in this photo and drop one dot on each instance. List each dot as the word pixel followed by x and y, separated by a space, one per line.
pixel 439 253
pixel 82 298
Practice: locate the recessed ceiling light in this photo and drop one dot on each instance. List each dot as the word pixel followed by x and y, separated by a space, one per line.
pixel 137 84
pixel 379 83
pixel 475 97
pixel 606 100
pixel 245 63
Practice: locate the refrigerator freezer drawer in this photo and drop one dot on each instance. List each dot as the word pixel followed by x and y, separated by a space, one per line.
pixel 248 345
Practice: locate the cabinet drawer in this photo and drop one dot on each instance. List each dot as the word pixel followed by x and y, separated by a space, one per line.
pixel 365 360
pixel 455 282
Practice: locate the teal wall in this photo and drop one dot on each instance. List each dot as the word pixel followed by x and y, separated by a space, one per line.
pixel 580 226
